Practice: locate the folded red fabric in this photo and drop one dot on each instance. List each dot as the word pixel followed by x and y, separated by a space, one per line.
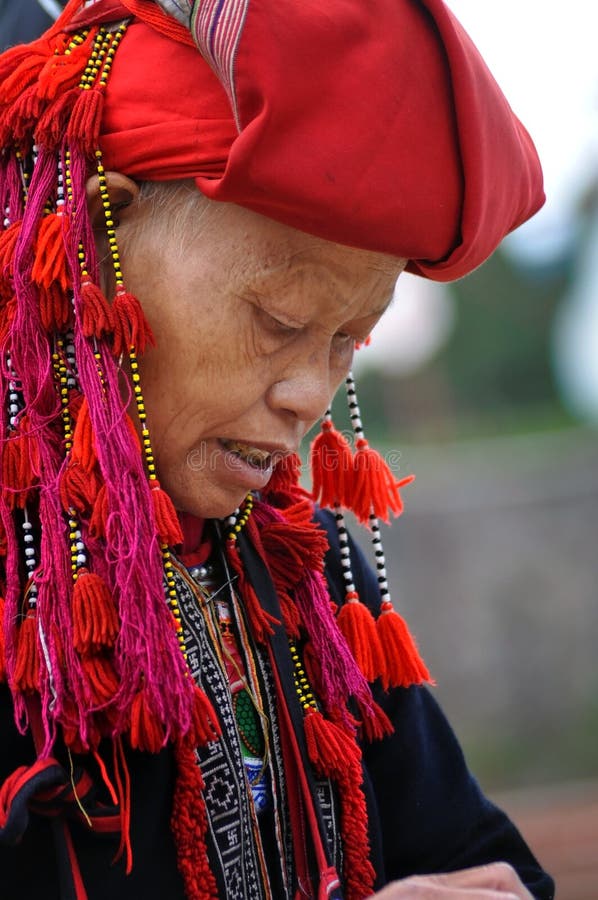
pixel 376 125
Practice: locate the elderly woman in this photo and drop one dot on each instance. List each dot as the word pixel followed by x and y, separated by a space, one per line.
pixel 206 690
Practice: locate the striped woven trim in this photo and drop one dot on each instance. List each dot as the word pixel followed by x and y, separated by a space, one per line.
pixel 217 26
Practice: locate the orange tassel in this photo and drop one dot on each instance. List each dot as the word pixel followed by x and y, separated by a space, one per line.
pixel 146 732
pixel 95 618
pixel 78 489
pixel 26 673
pixel 103 680
pixel 84 124
pixel 83 450
pixel 359 630
pixel 404 665
pixel 56 311
pixel 167 523
pixel 97 319
pixel 131 328
pixel 331 467
pixel 375 489
pixel 205 726
pixel 50 263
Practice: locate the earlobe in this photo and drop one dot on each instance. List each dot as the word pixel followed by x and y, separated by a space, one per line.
pixel 121 189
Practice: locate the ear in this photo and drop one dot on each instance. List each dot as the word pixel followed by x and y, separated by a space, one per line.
pixel 122 191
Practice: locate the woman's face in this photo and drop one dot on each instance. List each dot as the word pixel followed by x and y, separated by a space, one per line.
pixel 255 325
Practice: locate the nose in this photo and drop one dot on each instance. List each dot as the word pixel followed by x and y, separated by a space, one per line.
pixel 304 390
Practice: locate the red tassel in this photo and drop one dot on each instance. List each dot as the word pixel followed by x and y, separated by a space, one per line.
pixel 146 732
pixel 261 621
pixel 375 489
pixel 56 311
pixel 189 824
pixel 167 523
pixel 99 515
pixel 62 71
pixel 404 665
pixel 52 123
pixel 359 630
pixel 83 451
pixel 20 464
pixel 8 241
pixel 131 328
pixel 102 679
pixel 286 478
pixel 95 618
pixel 2 644
pixel 97 319
pixel 16 77
pixel 23 115
pixel 84 125
pixel 332 467
pixel 50 263
pixel 375 724
pixel 26 673
pixel 335 755
pixel 205 726
pixel 78 488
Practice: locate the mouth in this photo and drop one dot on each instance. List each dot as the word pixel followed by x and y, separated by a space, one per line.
pixel 253 456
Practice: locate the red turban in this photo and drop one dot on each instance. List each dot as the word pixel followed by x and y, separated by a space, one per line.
pixel 373 124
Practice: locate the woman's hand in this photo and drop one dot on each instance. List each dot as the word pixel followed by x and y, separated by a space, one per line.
pixel 497 881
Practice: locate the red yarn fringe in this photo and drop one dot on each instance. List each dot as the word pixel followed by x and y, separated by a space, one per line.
pixel 167 522
pixel 56 311
pixel 102 680
pixel 189 825
pixel 205 726
pixel 78 488
pixel 95 618
pixel 26 672
pixel 97 319
pixel 374 724
pixel 359 630
pixel 331 467
pixel 375 489
pixel 404 665
pixel 83 128
pixel 20 464
pixel 131 328
pixel 99 515
pixel 52 124
pixel 83 450
pixel 50 264
pixel 2 644
pixel 335 755
pixel 261 622
pixel 146 732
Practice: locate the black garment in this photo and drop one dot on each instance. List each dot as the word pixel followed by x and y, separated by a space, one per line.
pixel 427 813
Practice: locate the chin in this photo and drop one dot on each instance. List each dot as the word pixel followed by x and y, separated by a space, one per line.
pixel 207 504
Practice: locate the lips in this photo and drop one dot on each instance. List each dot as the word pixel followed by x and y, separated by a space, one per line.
pixel 261 459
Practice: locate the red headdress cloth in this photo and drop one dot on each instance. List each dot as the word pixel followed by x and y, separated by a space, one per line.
pixel 375 124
